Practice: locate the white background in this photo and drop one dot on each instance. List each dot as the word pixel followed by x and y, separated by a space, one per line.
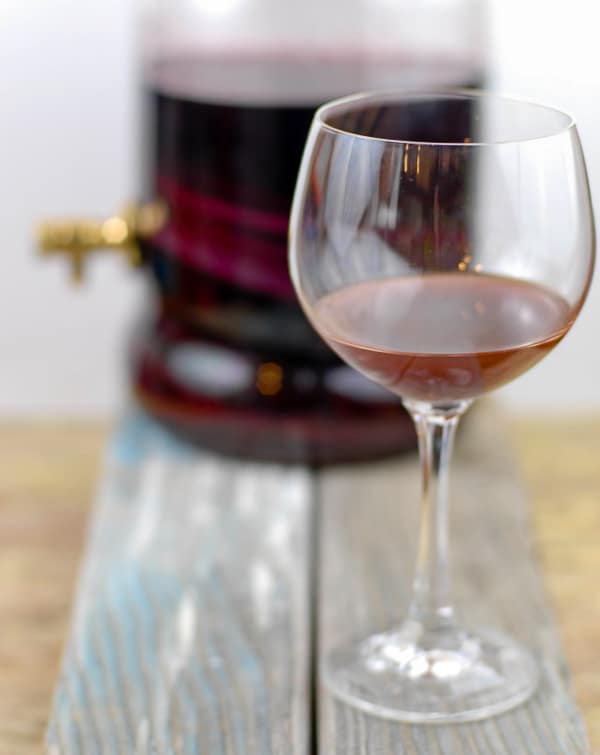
pixel 68 146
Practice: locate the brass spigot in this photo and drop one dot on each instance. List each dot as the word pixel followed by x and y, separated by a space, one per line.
pixel 78 239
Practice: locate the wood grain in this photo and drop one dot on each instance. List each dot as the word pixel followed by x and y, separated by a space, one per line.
pixel 47 478
pixel 48 475
pixel 191 633
pixel 560 463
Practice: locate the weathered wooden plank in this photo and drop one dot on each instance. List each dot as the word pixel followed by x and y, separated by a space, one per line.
pixel 192 626
pixel 47 475
pixel 369 527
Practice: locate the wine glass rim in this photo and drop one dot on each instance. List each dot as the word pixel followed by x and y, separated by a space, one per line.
pixel 384 96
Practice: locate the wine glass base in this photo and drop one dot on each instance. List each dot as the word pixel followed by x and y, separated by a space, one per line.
pixel 392 676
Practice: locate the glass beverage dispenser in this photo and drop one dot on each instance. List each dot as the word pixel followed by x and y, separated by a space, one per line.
pixel 227 358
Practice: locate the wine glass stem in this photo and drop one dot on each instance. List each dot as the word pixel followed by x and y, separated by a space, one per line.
pixel 431 607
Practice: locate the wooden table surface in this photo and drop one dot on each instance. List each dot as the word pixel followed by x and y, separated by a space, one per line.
pixel 48 474
pixel 560 463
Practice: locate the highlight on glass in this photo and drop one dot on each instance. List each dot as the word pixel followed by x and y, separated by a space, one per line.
pixel 442 245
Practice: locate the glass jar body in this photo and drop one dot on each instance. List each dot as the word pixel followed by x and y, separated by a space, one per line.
pixel 228 358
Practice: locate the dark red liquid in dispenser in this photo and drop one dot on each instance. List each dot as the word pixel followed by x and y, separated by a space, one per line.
pixel 229 360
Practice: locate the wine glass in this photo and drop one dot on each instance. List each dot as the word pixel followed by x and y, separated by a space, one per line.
pixel 441 244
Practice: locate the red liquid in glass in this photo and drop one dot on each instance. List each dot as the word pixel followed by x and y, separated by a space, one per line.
pixel 443 336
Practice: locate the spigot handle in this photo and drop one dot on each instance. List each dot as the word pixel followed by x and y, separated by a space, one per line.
pixel 78 239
